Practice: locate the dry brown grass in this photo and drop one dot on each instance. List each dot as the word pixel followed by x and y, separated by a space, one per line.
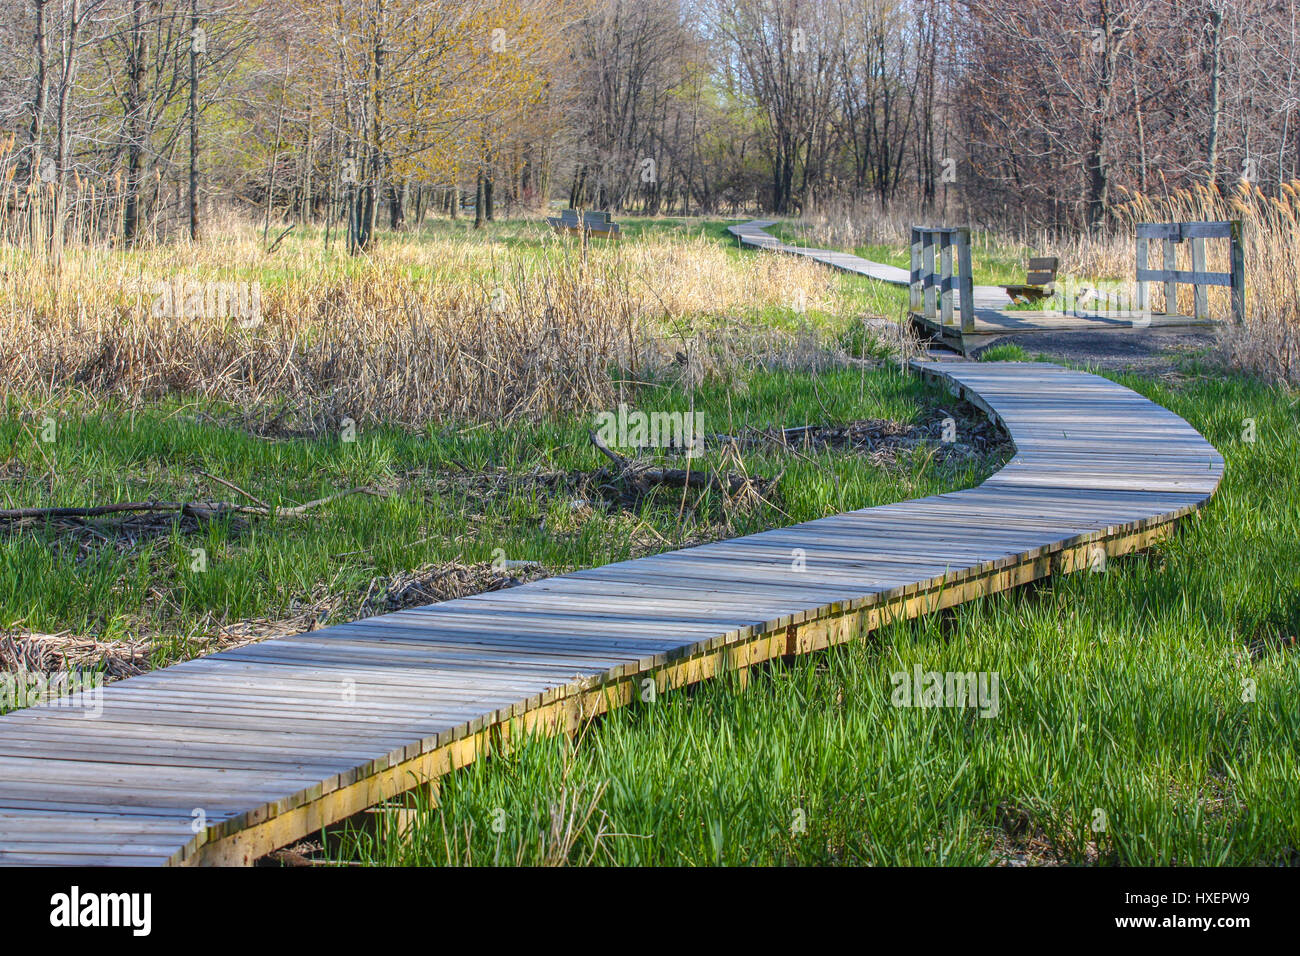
pixel 848 224
pixel 421 329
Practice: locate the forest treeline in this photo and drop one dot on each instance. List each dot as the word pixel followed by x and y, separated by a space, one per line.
pixel 150 117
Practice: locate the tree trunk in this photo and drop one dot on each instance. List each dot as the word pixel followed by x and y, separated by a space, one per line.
pixel 194 120
pixel 1216 104
pixel 63 132
pixel 397 206
pixel 41 46
pixel 135 66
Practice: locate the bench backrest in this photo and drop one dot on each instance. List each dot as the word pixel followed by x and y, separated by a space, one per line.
pixel 590 219
pixel 1042 270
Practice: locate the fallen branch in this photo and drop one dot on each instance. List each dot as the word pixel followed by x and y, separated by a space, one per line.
pixel 280 238
pixel 641 475
pixel 234 487
pixel 204 510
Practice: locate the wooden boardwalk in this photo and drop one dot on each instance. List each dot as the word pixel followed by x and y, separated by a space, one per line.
pixel 992 318
pixel 225 758
pixel 755 235
pixel 993 324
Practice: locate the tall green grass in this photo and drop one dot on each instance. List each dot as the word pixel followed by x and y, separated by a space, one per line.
pixel 114 584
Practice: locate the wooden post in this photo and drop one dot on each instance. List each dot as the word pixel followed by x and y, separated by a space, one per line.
pixel 945 278
pixel 1238 272
pixel 1143 286
pixel 927 267
pixel 914 288
pixel 1200 298
pixel 967 282
pixel 1171 286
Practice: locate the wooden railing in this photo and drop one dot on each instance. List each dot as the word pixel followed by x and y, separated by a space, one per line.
pixel 932 287
pixel 1173 233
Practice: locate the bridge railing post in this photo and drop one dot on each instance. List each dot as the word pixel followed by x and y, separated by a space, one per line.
pixel 915 290
pixel 1171 265
pixel 967 280
pixel 1237 271
pixel 1143 286
pixel 1200 291
pixel 945 278
pixel 927 268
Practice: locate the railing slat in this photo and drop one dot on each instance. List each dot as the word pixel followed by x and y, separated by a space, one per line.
pixel 1143 286
pixel 1171 269
pixel 945 277
pixel 1200 297
pixel 1238 275
pixel 927 266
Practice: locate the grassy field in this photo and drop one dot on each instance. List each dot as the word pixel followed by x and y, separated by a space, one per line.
pixel 1147 714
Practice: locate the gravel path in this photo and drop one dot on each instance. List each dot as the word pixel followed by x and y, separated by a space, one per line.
pixel 1157 354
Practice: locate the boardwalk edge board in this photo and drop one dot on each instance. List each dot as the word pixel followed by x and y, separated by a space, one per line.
pixel 494 679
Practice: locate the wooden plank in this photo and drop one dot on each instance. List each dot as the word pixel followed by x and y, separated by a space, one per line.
pixel 1143 285
pixel 945 279
pixel 1178 231
pixel 1171 276
pixel 1237 272
pixel 927 272
pixel 1200 298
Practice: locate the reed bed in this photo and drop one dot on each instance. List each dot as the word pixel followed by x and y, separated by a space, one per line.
pixel 852 223
pixel 1267 343
pixel 421 329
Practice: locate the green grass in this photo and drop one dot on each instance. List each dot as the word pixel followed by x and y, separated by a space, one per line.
pixel 1121 704
pixel 264 568
pixel 1006 352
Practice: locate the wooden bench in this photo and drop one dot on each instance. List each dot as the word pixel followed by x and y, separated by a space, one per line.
pixel 1042 273
pixel 590 223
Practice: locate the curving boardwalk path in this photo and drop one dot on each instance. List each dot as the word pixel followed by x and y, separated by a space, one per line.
pixel 225 758
pixel 755 235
